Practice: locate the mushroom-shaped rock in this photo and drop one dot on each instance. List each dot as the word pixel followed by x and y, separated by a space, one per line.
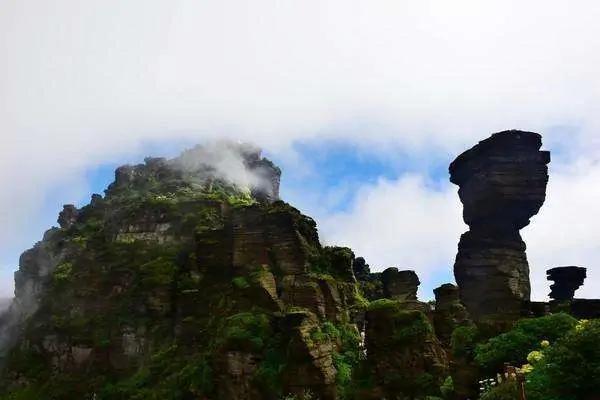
pixel 566 281
pixel 502 184
pixel 502 180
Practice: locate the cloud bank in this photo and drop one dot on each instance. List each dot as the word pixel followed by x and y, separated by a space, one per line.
pixel 84 83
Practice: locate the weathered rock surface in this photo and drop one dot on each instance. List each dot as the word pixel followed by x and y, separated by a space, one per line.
pixel 502 183
pixel 404 356
pixel 180 282
pixel 492 274
pixel 370 282
pixel 68 216
pixel 566 281
pixel 449 313
pixel 400 285
pixel 311 365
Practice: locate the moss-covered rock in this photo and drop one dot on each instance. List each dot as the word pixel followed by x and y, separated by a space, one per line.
pixel 177 285
pixel 403 353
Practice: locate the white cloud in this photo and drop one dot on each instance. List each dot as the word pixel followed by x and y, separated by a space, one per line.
pixel 567 229
pixel 89 82
pixel 410 225
pixel 404 223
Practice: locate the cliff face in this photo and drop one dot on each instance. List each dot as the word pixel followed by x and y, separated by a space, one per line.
pixel 502 184
pixel 190 279
pixel 182 283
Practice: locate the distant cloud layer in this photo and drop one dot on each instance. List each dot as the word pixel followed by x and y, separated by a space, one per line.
pixel 90 82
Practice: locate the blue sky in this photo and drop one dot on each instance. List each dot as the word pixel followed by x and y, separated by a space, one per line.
pixel 362 103
pixel 335 172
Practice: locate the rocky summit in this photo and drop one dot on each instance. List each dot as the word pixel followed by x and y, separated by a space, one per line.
pixel 189 278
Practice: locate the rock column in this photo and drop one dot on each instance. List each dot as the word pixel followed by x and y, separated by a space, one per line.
pixel 502 184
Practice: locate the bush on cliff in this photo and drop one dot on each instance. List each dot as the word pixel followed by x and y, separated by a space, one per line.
pixel 570 368
pixel 513 346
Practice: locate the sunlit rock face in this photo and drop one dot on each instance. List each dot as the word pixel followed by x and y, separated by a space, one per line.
pixel 502 184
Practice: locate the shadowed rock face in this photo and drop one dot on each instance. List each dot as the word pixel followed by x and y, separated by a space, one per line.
pixel 400 285
pixel 175 261
pixel 566 281
pixel 502 180
pixel 68 216
pixel 502 184
pixel 449 313
pixel 401 349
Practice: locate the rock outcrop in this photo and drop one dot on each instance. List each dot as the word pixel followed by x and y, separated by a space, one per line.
pixel 502 184
pixel 449 313
pixel 68 216
pixel 566 281
pixel 400 285
pixel 204 167
pixel 404 356
pixel 180 281
pixel 370 282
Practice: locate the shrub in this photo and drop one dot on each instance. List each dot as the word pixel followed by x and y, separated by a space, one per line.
pixel 514 346
pixel 570 367
pixel 63 272
pixel 463 341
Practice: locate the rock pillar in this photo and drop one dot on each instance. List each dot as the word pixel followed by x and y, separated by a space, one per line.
pixel 502 184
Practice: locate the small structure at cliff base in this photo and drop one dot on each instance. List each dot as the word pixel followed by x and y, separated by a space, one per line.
pixel 502 184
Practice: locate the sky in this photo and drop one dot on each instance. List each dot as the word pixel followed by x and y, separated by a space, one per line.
pixel 362 103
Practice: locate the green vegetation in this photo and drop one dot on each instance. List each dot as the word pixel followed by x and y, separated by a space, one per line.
pixel 136 309
pixel 564 365
pixel 513 346
pixel 246 330
pixel 570 366
pixel 241 282
pixel 464 340
pixel 63 271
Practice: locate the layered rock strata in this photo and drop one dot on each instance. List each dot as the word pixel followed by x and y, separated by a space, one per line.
pixel 177 267
pixel 404 357
pixel 502 184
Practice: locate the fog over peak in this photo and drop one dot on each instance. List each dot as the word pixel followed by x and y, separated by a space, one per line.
pixel 95 82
